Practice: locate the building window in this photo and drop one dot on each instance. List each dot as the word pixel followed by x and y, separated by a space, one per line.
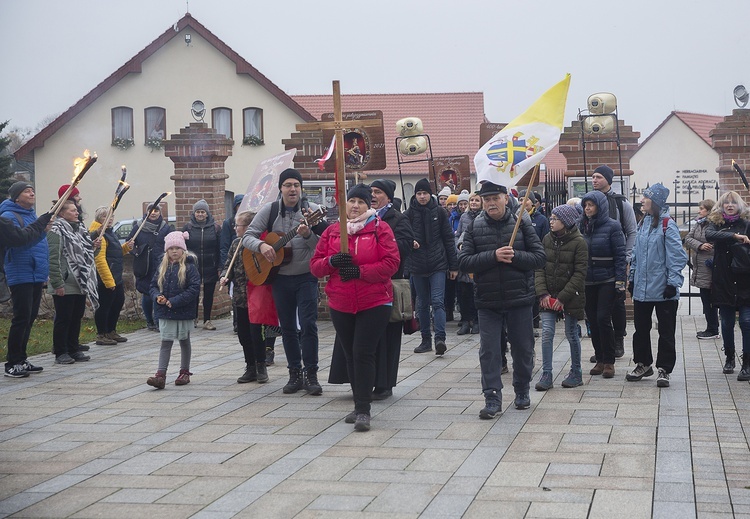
pixel 253 126
pixel 122 127
pixel 222 121
pixel 155 119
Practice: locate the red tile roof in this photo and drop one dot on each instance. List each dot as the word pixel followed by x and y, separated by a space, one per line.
pixel 134 65
pixel 701 124
pixel 451 120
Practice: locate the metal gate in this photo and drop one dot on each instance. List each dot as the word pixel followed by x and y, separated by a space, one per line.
pixel 555 190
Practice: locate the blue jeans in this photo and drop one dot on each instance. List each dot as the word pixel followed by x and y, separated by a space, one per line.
pixel 298 296
pixel 548 335
pixel 431 291
pixel 521 337
pixel 148 308
pixel 727 314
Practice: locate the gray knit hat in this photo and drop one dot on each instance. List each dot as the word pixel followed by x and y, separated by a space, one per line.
pixel 15 190
pixel 567 215
pixel 201 204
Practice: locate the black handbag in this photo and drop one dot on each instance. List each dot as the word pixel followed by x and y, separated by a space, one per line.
pixel 142 262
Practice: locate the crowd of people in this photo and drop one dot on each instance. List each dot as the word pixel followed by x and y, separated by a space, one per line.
pixel 504 266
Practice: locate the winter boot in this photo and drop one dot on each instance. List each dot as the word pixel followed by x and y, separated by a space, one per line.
pixel 745 371
pixel 260 368
pixel 269 356
pixel 475 328
pixel 183 378
pixel 295 381
pixel 619 347
pixel 729 365
pixel 465 328
pixel 425 345
pixel 310 382
pixel 158 381
pixel 250 375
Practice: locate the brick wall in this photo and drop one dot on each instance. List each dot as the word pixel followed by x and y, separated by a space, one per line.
pixel 731 139
pixel 597 152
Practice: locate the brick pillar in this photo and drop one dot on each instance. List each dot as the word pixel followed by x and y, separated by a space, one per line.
pixel 198 153
pixel 597 153
pixel 731 139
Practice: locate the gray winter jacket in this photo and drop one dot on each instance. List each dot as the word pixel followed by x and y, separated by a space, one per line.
pixel 701 276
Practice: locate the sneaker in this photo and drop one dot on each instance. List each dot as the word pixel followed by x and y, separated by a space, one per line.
pixel 28 366
pixel 362 422
pixel 351 417
pixel 545 381
pixel 103 340
pixel 310 382
pixel 663 379
pixel 639 372
pixel 522 401
pixel 598 369
pixel 84 347
pixel 183 378
pixel 158 380
pixel 706 335
pixel 491 409
pixel 574 379
pixel 381 394
pixel 116 337
pixel 465 328
pixel 16 371
pixel 250 375
pixel 424 346
pixel 79 356
pixel 440 347
pixel 64 359
pixel 269 357
pixel 208 325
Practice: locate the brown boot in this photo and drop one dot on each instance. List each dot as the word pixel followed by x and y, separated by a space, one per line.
pixel 158 380
pixel 609 371
pixel 103 340
pixel 598 369
pixel 116 337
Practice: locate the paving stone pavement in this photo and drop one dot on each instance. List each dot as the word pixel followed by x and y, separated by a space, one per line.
pixel 93 440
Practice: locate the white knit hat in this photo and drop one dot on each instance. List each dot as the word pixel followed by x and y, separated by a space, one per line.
pixel 446 191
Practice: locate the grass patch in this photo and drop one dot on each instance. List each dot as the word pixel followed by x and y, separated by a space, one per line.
pixel 40 340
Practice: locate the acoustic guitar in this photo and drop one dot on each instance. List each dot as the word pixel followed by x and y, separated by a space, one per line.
pixel 259 270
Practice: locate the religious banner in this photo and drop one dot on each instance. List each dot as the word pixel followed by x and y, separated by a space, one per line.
pixel 264 183
pixel 453 172
pixel 364 147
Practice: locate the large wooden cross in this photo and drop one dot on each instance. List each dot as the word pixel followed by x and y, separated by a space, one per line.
pixel 338 125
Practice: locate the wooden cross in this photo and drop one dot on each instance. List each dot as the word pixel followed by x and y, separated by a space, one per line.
pixel 338 125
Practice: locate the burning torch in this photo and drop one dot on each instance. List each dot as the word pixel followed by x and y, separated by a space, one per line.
pixel 155 205
pixel 80 167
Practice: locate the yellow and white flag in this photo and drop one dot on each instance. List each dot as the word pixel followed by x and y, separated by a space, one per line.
pixel 523 143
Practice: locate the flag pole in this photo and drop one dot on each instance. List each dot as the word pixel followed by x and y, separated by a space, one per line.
pixel 523 204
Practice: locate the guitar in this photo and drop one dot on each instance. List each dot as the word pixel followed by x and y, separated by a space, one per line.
pixel 259 270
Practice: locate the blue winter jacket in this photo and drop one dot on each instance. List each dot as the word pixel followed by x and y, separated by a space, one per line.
pixel 658 259
pixel 605 241
pixel 28 264
pixel 182 298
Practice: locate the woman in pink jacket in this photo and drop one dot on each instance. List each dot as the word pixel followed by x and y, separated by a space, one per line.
pixel 359 292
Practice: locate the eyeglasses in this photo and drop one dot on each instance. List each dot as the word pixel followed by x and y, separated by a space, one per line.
pixel 289 185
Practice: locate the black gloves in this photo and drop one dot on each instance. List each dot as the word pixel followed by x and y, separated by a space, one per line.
pixel 349 273
pixel 340 259
pixel 670 292
pixel 630 288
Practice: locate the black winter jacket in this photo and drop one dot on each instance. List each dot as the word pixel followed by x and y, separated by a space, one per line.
pixel 500 286
pixel 433 232
pixel 204 243
pixel 727 288
pixel 404 234
pixel 605 241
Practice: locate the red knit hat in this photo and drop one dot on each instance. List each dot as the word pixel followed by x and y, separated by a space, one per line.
pixel 64 188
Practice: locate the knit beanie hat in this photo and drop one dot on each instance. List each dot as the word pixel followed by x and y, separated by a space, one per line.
pixel 387 186
pixel 452 199
pixel 15 190
pixel 201 205
pixel 567 215
pixel 658 194
pixel 464 196
pixel 446 191
pixel 606 172
pixel 175 239
pixel 64 188
pixel 289 173
pixel 361 191
pixel 424 185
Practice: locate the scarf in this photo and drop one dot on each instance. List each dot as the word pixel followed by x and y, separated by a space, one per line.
pixel 357 224
pixel 381 212
pixel 730 218
pixel 473 213
pixel 426 212
pixel 152 227
pixel 79 253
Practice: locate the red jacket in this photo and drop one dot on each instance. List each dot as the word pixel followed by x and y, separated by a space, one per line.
pixel 375 251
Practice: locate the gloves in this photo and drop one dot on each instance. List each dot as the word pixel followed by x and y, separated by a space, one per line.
pixel 630 288
pixel 349 273
pixel 340 259
pixel 670 292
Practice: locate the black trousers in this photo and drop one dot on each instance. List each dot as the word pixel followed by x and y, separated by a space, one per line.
pixel 666 316
pixel 711 312
pixel 466 300
pixel 359 335
pixel 66 330
pixel 110 305
pixel 387 356
pixel 600 300
pixel 619 318
pixel 26 299
pixel 208 300
pixel 251 338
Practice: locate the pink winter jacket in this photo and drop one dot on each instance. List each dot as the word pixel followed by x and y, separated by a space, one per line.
pixel 375 251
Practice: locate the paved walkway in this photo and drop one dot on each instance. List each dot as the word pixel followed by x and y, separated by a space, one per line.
pixel 93 440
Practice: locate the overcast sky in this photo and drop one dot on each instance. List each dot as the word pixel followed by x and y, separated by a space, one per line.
pixel 654 55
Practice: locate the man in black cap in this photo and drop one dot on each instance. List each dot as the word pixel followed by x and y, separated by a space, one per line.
pixel 295 289
pixel 620 209
pixel 505 293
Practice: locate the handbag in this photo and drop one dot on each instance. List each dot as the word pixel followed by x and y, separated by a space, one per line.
pixel 142 262
pixel 411 325
pixel 402 309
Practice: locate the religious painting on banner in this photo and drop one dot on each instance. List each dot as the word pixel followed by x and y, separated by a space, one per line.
pixel 264 182
pixel 453 172
pixel 364 148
